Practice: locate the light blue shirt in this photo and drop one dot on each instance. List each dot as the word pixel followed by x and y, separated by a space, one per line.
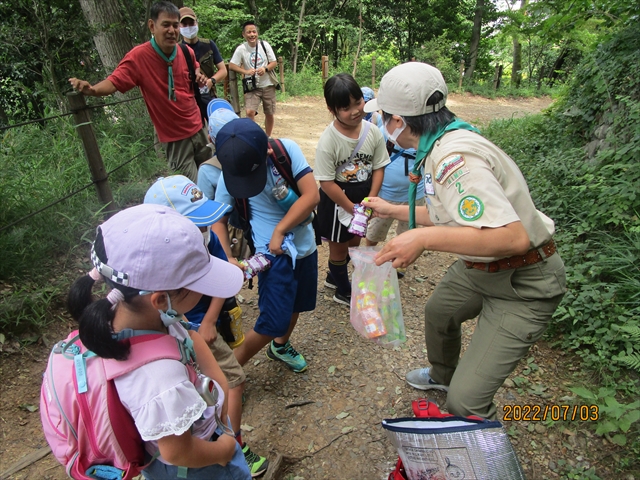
pixel 265 213
pixel 208 177
pixel 395 184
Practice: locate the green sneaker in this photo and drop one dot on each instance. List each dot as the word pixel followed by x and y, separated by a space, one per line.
pixel 287 354
pixel 257 464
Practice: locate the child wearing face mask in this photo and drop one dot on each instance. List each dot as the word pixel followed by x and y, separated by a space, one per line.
pixel 395 186
pixel 181 194
pixel 154 262
pixel 349 164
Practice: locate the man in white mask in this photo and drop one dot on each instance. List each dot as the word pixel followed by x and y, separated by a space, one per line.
pixel 206 52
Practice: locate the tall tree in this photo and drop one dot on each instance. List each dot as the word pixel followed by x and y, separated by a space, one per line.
pixel 294 55
pixel 475 40
pixel 110 34
pixel 517 18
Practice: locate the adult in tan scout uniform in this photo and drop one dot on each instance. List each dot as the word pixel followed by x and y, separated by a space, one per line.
pixel 478 207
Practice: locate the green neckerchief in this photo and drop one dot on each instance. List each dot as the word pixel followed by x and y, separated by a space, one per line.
pixel 172 87
pixel 427 141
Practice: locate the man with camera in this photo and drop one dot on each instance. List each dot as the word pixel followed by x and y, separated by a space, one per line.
pixel 255 60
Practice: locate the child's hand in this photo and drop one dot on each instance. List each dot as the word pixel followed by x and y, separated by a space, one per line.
pixel 226 446
pixel 234 261
pixel 275 245
pixel 380 208
pixel 208 332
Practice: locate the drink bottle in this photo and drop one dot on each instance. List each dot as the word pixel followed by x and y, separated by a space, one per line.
pixel 286 197
pixel 230 323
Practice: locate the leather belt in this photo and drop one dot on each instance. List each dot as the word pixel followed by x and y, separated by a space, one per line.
pixel 532 256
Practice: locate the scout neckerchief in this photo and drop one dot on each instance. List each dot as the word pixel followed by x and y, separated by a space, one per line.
pixel 172 88
pixel 427 141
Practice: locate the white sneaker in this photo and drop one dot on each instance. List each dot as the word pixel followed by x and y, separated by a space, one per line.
pixel 421 380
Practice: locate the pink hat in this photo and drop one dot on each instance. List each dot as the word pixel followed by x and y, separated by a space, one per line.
pixel 153 247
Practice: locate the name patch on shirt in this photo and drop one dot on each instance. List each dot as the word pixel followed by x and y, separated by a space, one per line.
pixel 447 166
pixel 428 185
pixel 455 176
pixel 470 208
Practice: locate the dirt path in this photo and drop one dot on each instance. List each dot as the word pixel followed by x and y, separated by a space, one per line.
pixel 351 384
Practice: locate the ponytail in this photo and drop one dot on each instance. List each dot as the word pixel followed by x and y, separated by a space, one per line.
pixel 95 318
pixel 96 331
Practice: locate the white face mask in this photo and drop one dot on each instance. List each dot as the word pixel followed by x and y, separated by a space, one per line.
pixel 189 32
pixel 396 133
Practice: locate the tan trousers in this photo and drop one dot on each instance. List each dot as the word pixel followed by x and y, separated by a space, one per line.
pixel 513 307
pixel 185 156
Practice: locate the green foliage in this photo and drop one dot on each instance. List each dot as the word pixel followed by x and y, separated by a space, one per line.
pixel 615 419
pixel 27 307
pixel 39 165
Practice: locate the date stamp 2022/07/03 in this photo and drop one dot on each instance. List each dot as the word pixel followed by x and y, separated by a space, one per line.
pixel 555 412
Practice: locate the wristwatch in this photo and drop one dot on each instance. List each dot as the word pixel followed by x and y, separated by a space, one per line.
pixel 213 81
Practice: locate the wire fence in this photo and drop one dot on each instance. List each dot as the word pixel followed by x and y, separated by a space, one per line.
pixel 95 182
pixel 62 115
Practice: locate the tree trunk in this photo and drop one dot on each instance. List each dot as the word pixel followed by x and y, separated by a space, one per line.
pixel 298 37
pixel 355 59
pixel 557 66
pixel 110 34
pixel 254 11
pixel 516 70
pixel 475 40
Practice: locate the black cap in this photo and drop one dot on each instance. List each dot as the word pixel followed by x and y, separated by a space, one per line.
pixel 241 147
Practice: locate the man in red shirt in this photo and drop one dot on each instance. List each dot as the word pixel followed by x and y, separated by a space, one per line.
pixel 160 69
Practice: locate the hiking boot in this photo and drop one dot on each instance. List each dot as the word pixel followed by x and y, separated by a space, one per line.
pixel 343 299
pixel 421 380
pixel 329 282
pixel 257 464
pixel 287 354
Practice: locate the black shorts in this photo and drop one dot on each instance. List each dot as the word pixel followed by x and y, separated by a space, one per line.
pixel 328 224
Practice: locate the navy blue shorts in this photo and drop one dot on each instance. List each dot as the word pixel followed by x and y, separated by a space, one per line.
pixel 283 291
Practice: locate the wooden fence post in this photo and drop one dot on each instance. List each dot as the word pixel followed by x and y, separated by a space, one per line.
pixel 373 72
pixel 497 77
pixel 233 90
pixel 325 69
pixel 281 70
pixel 87 135
pixel 461 74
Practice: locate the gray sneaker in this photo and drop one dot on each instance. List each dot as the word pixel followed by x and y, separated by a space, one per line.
pixel 421 380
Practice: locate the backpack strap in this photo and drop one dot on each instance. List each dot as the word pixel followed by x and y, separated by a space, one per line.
pixel 194 85
pixel 214 162
pixel 147 348
pixel 363 137
pixel 282 161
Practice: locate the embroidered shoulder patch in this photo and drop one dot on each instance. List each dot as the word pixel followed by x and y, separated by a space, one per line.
pixel 470 208
pixel 447 166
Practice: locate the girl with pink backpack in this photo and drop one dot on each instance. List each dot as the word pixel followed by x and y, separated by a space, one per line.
pixel 157 267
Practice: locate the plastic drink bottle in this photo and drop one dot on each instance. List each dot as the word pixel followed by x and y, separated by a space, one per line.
pixel 230 323
pixel 367 307
pixel 285 197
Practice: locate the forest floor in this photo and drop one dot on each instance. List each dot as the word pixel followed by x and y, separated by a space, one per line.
pixel 326 422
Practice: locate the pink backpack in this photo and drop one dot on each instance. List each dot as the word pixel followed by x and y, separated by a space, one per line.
pixel 89 430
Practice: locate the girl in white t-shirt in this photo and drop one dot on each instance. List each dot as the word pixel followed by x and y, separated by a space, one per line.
pixel 349 162
pixel 157 266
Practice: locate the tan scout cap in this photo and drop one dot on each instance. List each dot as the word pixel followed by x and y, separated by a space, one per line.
pixel 405 89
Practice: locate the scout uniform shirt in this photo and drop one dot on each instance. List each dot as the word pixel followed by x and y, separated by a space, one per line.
pixel 470 182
